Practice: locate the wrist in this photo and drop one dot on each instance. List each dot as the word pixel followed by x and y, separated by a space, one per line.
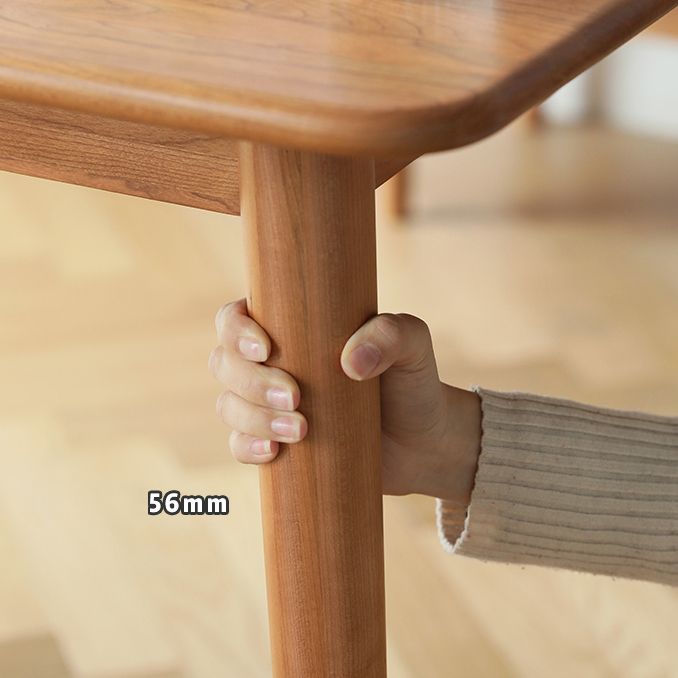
pixel 461 445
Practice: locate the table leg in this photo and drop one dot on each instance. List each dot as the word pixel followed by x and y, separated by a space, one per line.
pixel 399 193
pixel 311 247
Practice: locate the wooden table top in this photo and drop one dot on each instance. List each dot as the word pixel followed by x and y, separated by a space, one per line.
pixel 386 77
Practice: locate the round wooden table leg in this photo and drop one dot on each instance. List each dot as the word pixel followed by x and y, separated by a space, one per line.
pixel 399 193
pixel 311 248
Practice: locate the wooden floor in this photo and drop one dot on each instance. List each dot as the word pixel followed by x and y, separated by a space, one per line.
pixel 546 262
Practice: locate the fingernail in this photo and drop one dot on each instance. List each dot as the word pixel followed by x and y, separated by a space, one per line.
pixel 260 447
pixel 288 427
pixel 250 348
pixel 280 398
pixel 364 359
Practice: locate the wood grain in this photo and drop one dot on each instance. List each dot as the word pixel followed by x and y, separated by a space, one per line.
pixel 311 243
pixel 186 168
pixel 385 78
pixel 161 163
pixel 667 26
pixel 399 194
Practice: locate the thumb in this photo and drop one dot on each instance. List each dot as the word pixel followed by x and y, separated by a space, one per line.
pixel 388 340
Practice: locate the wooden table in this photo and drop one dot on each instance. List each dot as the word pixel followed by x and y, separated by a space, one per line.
pixel 292 113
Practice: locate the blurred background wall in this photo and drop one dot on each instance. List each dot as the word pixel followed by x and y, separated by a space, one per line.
pixel 634 89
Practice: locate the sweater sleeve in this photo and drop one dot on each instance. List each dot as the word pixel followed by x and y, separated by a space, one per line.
pixel 574 486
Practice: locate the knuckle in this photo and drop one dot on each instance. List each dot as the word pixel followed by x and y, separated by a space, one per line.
pixel 228 404
pixel 416 324
pixel 225 367
pixel 419 343
pixel 220 316
pixel 388 327
pixel 232 306
pixel 215 359
pixel 228 370
pixel 220 403
pixel 227 315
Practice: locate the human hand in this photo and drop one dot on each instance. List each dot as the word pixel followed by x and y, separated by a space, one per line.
pixel 430 431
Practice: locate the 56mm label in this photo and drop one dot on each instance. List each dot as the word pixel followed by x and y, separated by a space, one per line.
pixel 173 503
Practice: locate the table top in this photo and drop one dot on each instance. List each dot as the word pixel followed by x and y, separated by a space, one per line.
pixel 385 77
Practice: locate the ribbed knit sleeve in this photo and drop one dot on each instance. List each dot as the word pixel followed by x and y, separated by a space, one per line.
pixel 574 486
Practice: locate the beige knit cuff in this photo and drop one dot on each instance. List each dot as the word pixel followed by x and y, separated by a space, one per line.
pixel 569 485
